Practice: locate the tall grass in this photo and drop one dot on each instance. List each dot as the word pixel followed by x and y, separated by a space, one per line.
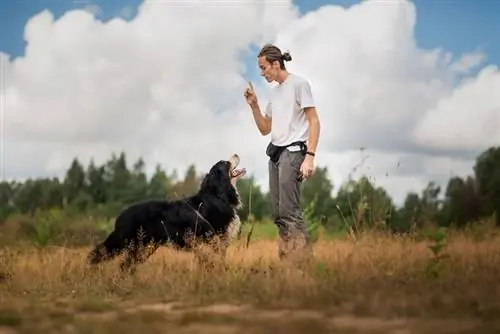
pixel 375 275
pixel 379 274
pixel 430 273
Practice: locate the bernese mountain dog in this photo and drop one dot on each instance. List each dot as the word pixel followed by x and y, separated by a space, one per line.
pixel 183 223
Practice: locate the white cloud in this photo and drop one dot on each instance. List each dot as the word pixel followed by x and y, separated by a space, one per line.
pixel 173 95
pixel 167 85
pixel 467 119
pixel 376 89
pixel 468 62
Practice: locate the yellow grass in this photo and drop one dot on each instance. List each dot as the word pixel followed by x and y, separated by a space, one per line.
pixel 374 279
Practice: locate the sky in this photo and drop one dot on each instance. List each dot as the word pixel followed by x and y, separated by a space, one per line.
pixel 414 83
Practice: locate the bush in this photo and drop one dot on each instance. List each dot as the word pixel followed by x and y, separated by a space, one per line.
pixel 54 227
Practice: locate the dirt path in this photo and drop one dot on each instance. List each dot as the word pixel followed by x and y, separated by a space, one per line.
pixel 129 317
pixel 240 319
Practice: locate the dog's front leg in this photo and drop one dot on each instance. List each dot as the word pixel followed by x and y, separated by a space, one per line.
pixel 219 244
pixel 232 232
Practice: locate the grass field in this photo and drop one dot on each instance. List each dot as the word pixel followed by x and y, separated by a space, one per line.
pixel 378 284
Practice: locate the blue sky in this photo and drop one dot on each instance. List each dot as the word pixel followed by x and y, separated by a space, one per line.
pixel 455 25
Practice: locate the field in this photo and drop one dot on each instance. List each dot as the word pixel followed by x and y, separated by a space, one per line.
pixel 376 284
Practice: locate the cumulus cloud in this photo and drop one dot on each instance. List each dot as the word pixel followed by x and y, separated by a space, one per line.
pixel 375 88
pixel 167 85
pixel 467 119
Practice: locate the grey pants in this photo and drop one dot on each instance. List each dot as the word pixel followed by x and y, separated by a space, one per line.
pixel 285 190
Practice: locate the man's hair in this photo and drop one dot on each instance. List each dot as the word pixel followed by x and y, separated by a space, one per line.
pixel 273 53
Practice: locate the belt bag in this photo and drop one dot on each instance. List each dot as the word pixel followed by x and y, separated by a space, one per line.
pixel 274 152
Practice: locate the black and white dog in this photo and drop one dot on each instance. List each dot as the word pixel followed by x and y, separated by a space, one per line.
pixel 210 213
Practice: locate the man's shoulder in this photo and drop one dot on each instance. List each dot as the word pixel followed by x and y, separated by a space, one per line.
pixel 299 79
pixel 296 81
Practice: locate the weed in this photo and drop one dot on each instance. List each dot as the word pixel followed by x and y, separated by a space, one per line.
pixel 437 246
pixel 312 221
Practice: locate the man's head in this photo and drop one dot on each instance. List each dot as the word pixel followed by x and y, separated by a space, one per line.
pixel 272 63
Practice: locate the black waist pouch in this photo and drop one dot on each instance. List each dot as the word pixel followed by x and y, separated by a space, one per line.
pixel 274 152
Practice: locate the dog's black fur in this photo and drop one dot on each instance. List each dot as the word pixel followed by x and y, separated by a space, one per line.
pixel 203 216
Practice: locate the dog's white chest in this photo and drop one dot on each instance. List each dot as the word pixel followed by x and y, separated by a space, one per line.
pixel 234 227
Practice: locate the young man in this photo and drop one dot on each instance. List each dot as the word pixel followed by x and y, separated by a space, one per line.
pixel 291 119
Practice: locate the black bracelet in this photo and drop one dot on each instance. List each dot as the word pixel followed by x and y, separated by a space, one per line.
pixel 311 153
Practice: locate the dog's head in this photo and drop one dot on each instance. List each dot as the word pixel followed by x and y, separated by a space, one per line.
pixel 221 180
pixel 235 173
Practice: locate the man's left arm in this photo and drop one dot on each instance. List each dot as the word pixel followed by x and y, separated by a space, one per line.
pixel 314 128
pixel 306 102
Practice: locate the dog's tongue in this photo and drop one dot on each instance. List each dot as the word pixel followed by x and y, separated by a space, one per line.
pixel 237 172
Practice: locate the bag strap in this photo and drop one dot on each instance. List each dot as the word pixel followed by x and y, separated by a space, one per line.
pixel 302 144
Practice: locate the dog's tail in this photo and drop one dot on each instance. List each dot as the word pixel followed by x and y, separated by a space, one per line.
pixel 106 250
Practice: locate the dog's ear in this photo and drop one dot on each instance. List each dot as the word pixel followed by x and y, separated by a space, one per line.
pixel 216 176
pixel 218 182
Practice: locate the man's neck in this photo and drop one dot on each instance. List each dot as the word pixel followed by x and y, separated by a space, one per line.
pixel 282 76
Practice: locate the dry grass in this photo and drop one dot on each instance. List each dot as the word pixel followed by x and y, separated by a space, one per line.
pixel 375 279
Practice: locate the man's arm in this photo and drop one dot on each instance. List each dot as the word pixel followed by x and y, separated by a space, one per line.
pixel 314 128
pixel 263 121
pixel 306 101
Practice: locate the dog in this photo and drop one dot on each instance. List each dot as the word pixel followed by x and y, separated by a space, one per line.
pixel 211 213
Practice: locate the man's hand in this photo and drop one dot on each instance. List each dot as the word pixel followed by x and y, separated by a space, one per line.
pixel 263 122
pixel 250 95
pixel 307 167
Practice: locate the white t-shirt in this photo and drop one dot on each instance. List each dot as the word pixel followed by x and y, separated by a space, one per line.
pixel 285 107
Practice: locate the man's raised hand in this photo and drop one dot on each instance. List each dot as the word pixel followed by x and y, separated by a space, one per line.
pixel 250 95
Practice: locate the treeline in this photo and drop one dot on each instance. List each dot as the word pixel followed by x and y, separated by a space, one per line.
pixel 101 191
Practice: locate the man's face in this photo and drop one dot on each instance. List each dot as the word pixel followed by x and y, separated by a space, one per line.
pixel 268 70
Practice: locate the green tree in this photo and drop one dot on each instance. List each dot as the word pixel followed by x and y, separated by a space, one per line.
pixel 409 215
pixel 107 188
pixel 118 179
pixel 160 184
pixel 96 183
pixel 430 204
pixel 52 193
pixel 319 188
pixel 260 207
pixel 74 182
pixel 487 175
pixel 364 206
pixel 188 186
pixel 138 182
pixel 461 204
pixel 7 204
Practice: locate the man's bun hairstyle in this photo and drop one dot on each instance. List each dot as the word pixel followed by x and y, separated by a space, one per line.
pixel 273 53
pixel 287 56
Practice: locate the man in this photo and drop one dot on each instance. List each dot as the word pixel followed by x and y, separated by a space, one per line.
pixel 291 119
